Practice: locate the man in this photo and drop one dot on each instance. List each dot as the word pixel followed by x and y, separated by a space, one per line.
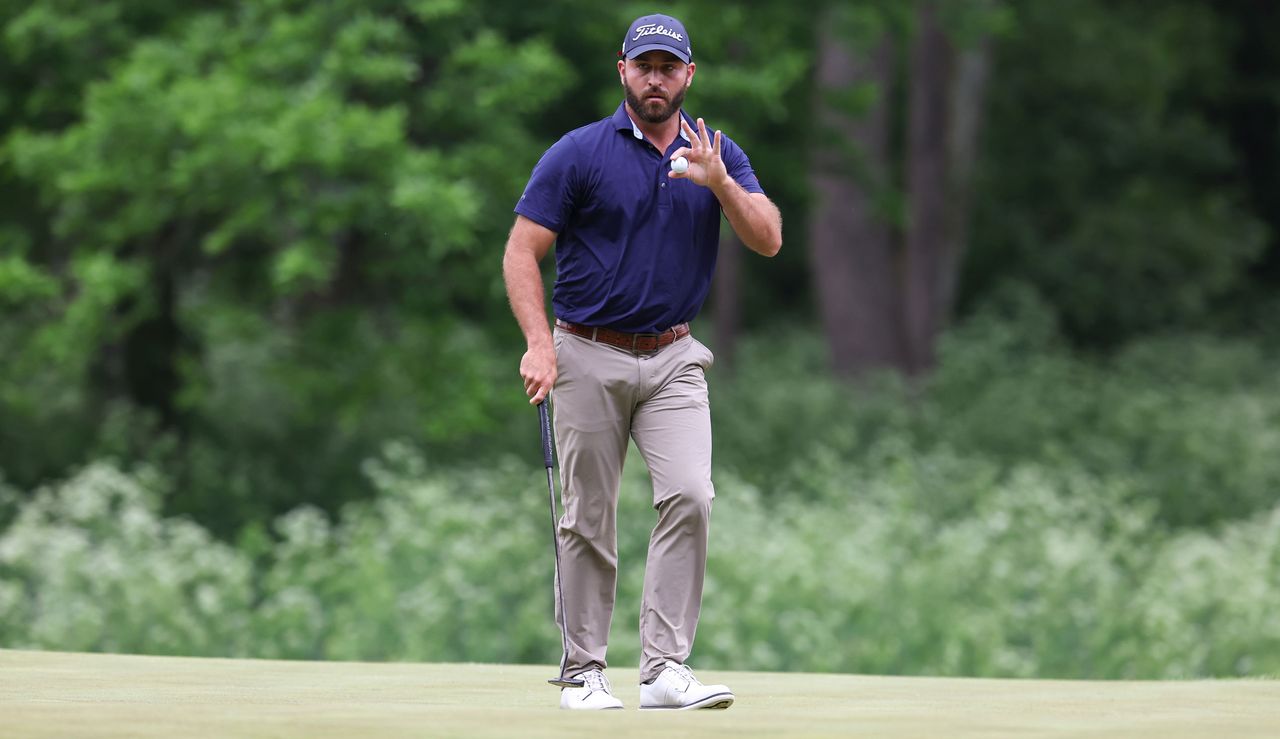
pixel 635 250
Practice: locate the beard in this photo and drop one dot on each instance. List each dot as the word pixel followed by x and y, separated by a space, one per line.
pixel 653 111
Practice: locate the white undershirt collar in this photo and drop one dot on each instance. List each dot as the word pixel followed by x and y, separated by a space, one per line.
pixel 635 130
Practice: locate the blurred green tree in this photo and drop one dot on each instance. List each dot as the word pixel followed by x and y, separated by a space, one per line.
pixel 899 96
pixel 1106 179
pixel 51 53
pixel 269 222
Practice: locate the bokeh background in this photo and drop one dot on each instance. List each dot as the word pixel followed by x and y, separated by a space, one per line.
pixel 1006 404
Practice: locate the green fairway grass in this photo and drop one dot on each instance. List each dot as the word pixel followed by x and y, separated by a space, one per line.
pixel 47 694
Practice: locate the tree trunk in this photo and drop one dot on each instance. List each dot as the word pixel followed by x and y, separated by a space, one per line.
pixel 926 257
pixel 726 299
pixel 853 262
pixel 152 348
pixel 968 98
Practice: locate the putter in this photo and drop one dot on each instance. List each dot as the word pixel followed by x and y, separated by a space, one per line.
pixel 548 459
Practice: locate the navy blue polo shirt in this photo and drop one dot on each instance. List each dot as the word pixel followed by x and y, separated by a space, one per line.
pixel 635 249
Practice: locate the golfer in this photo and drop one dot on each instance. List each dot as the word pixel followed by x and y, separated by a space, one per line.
pixel 635 250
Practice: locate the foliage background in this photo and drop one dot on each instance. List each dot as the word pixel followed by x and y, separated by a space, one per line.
pixel 258 394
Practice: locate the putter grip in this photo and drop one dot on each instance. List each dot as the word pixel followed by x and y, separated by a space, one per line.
pixel 548 460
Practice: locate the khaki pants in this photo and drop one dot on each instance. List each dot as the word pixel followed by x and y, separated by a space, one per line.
pixel 603 395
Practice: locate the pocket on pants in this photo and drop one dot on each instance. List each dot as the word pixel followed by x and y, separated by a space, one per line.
pixel 708 359
pixel 561 347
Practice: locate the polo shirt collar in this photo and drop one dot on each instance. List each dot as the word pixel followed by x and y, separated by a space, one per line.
pixel 622 122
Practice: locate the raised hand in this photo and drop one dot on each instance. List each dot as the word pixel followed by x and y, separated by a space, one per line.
pixel 706 168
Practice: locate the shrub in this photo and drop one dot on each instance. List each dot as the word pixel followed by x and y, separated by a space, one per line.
pixel 1189 424
pixel 1044 572
pixel 89 565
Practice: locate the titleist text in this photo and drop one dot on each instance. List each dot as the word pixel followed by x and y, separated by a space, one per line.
pixel 651 29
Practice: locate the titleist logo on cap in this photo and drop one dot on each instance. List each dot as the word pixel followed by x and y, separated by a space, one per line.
pixel 653 28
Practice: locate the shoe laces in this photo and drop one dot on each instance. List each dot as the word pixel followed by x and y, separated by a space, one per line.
pixel 683 672
pixel 595 680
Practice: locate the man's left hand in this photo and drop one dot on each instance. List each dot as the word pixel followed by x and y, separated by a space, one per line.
pixel 706 168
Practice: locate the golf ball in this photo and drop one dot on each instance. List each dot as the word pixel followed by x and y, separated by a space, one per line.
pixel 679 165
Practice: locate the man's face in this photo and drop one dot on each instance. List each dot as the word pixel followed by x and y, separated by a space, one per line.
pixel 655 83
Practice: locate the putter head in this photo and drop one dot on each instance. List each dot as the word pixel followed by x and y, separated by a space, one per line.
pixel 566 682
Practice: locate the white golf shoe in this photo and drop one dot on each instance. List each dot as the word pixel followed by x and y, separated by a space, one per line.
pixel 676 689
pixel 594 695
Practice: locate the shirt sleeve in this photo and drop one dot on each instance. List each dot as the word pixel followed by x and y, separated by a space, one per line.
pixel 549 196
pixel 738 165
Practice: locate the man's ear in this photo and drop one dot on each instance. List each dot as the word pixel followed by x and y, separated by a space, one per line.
pixel 622 71
pixel 689 80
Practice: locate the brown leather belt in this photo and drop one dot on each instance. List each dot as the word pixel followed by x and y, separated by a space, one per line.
pixel 637 343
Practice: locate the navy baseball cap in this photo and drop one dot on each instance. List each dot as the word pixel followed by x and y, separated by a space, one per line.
pixel 656 33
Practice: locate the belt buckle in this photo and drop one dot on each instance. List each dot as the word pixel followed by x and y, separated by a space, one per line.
pixel 637 338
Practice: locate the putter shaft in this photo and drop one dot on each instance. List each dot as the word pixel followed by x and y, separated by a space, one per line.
pixel 548 459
